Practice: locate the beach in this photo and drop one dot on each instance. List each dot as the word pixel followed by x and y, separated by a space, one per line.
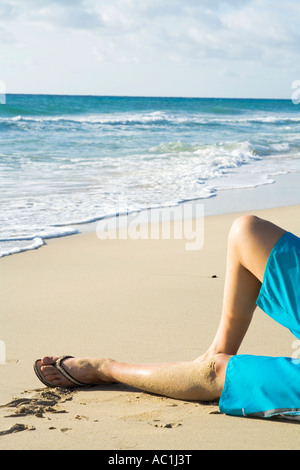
pixel 143 300
pixel 95 260
pixel 132 136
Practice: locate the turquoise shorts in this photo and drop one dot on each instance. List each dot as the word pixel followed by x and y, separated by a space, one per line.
pixel 270 386
pixel 279 295
pixel 259 386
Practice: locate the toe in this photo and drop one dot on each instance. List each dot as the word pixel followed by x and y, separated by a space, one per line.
pixel 49 370
pixel 48 360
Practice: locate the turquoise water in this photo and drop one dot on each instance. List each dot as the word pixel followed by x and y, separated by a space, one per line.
pixel 66 160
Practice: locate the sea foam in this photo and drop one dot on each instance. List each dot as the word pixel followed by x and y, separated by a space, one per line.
pixel 68 160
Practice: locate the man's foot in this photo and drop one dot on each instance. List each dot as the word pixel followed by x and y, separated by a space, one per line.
pixel 85 371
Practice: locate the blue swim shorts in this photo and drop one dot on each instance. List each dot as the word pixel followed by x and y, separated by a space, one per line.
pixel 260 386
pixel 263 386
pixel 279 296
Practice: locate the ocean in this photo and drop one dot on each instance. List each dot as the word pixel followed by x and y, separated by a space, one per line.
pixel 67 160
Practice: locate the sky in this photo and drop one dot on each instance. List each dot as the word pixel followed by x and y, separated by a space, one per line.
pixel 188 48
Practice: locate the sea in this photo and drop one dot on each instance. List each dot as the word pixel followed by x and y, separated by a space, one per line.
pixel 71 160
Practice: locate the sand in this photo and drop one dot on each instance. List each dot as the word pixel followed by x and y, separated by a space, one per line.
pixel 132 300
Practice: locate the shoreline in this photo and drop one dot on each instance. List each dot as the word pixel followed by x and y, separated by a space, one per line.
pixel 283 191
pixel 135 301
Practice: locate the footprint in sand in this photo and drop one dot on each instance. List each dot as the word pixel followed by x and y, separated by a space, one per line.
pixel 17 428
pixel 42 402
pixel 165 425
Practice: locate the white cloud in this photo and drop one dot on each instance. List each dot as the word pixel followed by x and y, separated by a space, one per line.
pixel 71 14
pixel 221 37
pixel 210 28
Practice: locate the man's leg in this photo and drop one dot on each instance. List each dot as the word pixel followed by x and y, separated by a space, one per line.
pixel 250 242
pixel 182 380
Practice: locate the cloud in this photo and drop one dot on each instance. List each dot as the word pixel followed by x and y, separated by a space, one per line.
pixel 248 30
pixel 7 10
pixel 220 37
pixel 234 29
pixel 217 26
pixel 55 13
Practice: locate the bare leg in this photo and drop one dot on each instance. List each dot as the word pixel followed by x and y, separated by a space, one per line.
pixel 183 380
pixel 250 242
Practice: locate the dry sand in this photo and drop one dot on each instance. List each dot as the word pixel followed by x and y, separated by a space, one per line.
pixel 142 301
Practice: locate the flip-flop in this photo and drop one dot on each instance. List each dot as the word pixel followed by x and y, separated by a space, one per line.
pixel 59 366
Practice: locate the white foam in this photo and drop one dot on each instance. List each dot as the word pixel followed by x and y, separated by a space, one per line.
pixel 113 119
pixel 145 159
pixel 156 117
pixel 19 244
pixel 13 246
pixel 92 189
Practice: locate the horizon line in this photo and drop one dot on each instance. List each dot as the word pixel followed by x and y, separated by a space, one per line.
pixel 147 96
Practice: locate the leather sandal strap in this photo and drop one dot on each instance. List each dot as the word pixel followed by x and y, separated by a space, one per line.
pixel 59 366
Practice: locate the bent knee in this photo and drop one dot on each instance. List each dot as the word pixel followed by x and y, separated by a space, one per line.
pixel 253 229
pixel 252 239
pixel 244 225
